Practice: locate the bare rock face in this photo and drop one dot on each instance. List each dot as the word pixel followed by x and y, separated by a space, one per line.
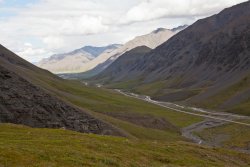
pixel 22 102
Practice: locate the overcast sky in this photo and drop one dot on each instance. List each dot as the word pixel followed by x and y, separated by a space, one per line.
pixel 35 29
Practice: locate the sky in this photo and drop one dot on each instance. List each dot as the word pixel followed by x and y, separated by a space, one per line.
pixel 36 29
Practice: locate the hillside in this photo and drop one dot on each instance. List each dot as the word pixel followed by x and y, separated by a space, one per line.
pixel 49 94
pixel 206 60
pixel 47 147
pixel 73 61
pixel 24 102
pixel 119 69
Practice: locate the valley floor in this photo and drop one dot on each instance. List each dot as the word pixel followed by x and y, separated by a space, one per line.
pixel 142 118
pixel 213 122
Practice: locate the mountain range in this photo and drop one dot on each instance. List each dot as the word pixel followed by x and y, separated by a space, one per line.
pixel 196 66
pixel 151 40
pixel 74 61
pixel 91 66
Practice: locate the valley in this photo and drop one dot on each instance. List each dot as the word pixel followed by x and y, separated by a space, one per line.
pixel 193 68
pixel 145 97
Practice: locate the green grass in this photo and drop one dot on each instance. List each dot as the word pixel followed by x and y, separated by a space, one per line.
pixel 217 100
pixel 242 108
pixel 151 89
pixel 143 133
pixel 22 146
pixel 235 136
pixel 102 101
pixel 123 85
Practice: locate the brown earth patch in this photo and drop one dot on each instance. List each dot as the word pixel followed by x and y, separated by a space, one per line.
pixel 147 121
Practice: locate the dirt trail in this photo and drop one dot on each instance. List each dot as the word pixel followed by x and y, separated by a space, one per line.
pixel 197 127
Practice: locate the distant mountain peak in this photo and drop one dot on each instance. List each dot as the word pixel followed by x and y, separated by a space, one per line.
pixel 73 61
pixel 179 28
pixel 97 50
pixel 158 30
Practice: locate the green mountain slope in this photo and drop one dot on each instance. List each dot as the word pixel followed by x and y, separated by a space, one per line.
pixel 105 105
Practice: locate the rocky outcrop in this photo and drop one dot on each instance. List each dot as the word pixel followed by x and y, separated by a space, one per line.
pixel 23 102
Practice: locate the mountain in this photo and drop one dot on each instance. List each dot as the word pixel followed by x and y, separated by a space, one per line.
pixel 179 28
pixel 120 68
pixel 151 40
pixel 25 101
pixel 96 51
pixel 73 61
pixel 207 64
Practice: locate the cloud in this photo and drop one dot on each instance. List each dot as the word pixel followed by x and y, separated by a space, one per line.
pixel 55 26
pixel 155 9
pixel 53 42
pixel 28 51
pixel 83 25
pixel 52 23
